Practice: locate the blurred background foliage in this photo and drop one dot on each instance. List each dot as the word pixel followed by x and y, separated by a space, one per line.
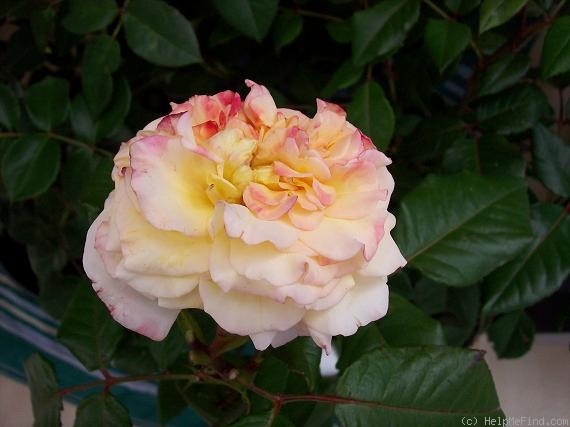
pixel 469 98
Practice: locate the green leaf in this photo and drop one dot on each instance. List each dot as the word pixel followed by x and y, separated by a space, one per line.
pixel 345 76
pixel 169 41
pixel 88 330
pixel 43 23
pixel 430 296
pixel 288 26
pixel 340 32
pixel 462 314
pixel 446 40
pixel 538 271
pixel 100 58
pixel 250 17
pixel 85 16
pixel 381 29
pixel 82 122
pixel 431 137
pixel 30 166
pixel 556 48
pixel 455 384
pixel 496 12
pixel 100 184
pixel 264 420
pixel 102 53
pixel 46 258
pixel 512 334
pixel 503 74
pixel 404 316
pixel 490 155
pixel 46 401
pixel 102 409
pixel 303 356
pixel 112 118
pixel 371 112
pixel 461 6
pixel 48 102
pixel 98 89
pixel 551 160
pixel 514 111
pixel 445 221
pixel 272 375
pixel 166 352
pixel 366 339
pixel 9 108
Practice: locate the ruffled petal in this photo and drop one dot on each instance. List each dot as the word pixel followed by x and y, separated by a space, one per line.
pixel 170 185
pixel 388 257
pixel 366 302
pixel 127 306
pixel 246 314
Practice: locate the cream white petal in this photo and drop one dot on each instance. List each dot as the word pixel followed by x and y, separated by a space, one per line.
pixel 366 302
pixel 246 314
pixel 127 306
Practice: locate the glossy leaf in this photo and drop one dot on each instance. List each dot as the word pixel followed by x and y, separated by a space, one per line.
pixel 111 119
pixel 446 220
pixel 272 375
pixel 551 160
pixel 490 155
pixel 345 76
pixel 538 271
pixel 102 410
pixel 9 108
pixel 43 22
pixel 372 113
pixel 504 73
pixel 512 334
pixel 30 166
pixel 85 16
pixel 382 28
pixel 82 122
pixel 496 12
pixel 250 17
pixel 431 137
pixel 446 40
pixel 302 356
pixel 420 328
pixel 462 314
pixel 48 102
pixel 512 112
pixel 88 330
pixel 169 41
pixel 267 419
pixel 46 401
pixel 288 26
pixel 556 48
pixel 459 384
pixel 366 339
pixel 166 352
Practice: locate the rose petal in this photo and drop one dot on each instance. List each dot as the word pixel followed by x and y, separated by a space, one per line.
pixel 245 314
pixel 170 185
pixel 388 257
pixel 240 223
pixel 127 306
pixel 366 302
pixel 259 106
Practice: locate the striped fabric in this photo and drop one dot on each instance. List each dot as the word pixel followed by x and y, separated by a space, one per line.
pixel 26 329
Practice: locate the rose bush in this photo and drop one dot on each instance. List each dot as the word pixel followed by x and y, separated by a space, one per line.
pixel 276 224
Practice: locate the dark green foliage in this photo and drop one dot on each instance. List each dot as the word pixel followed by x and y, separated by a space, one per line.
pixel 79 77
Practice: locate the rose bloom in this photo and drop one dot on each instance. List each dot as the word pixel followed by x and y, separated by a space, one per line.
pixel 274 223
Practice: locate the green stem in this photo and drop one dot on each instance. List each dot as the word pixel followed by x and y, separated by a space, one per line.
pixel 438 10
pixel 62 138
pixel 313 14
pixel 120 22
